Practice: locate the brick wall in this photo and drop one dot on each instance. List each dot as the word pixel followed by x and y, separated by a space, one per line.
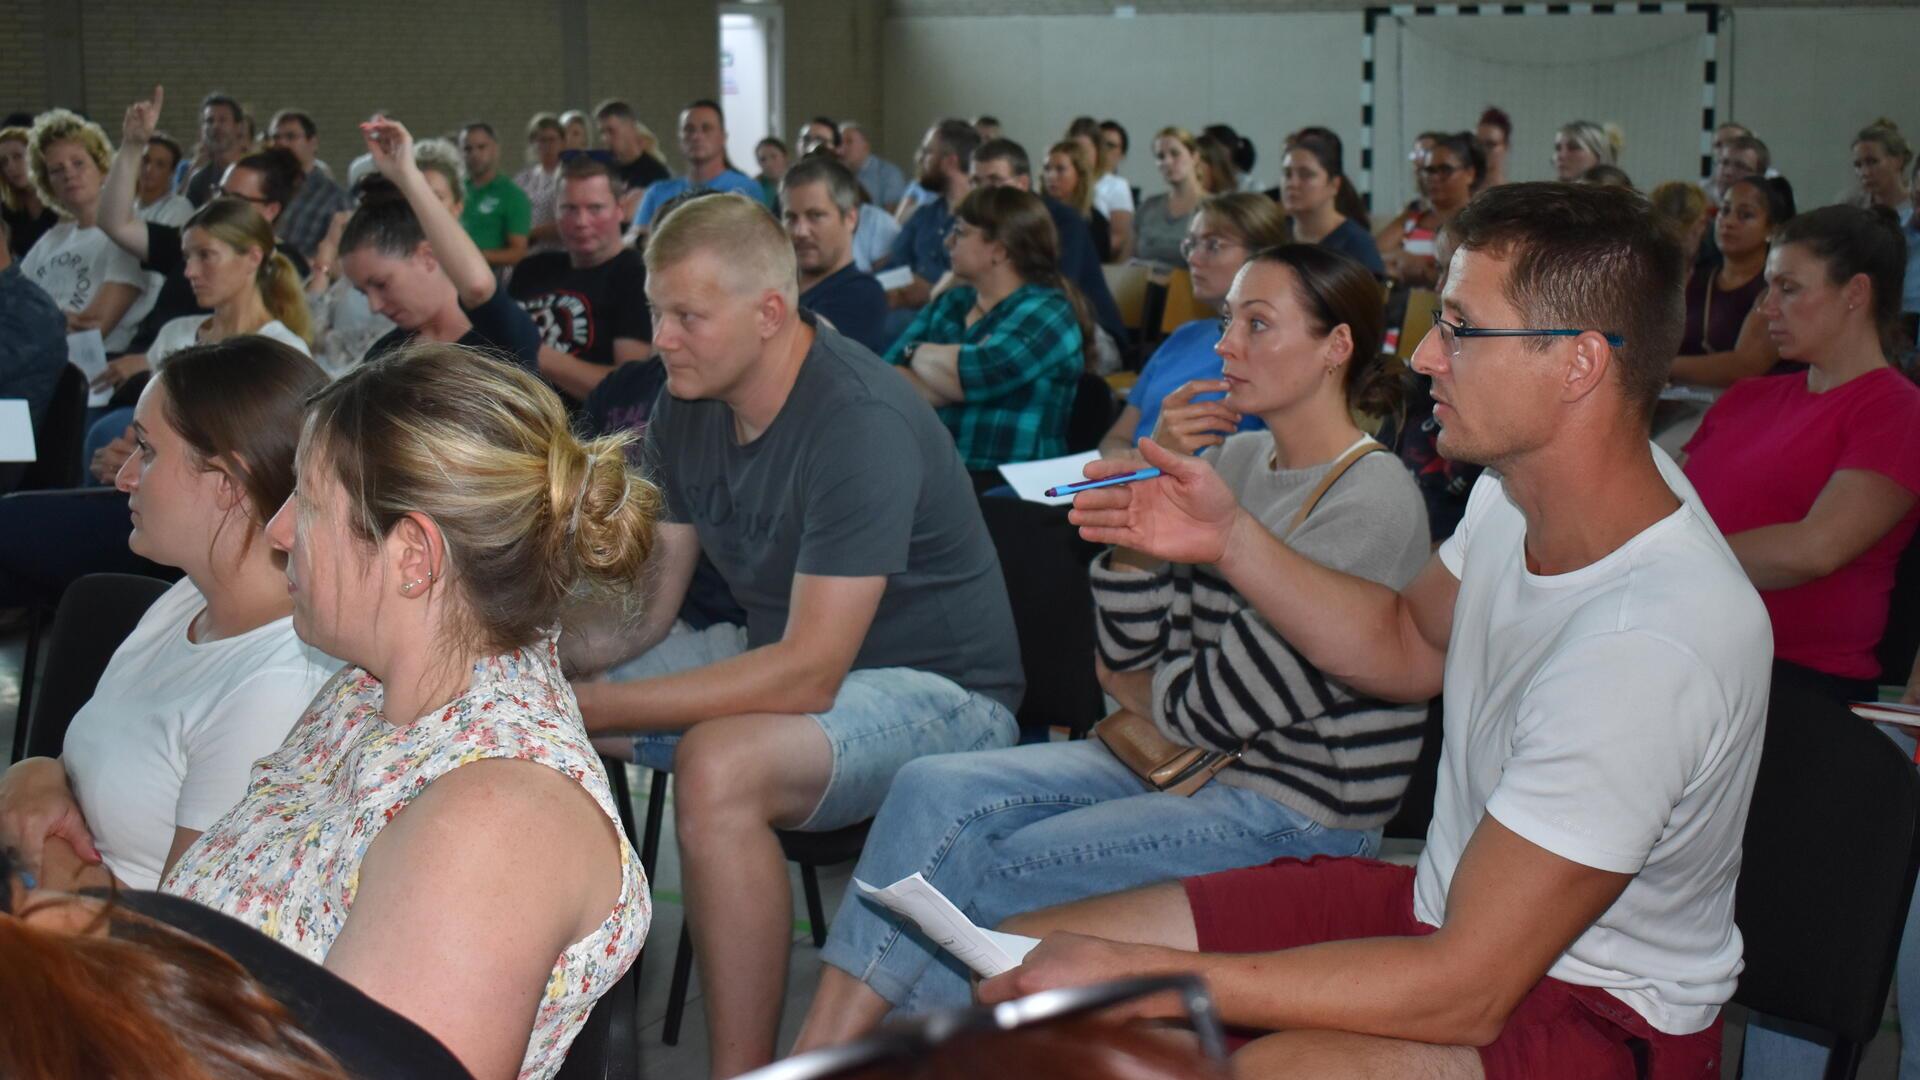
pixel 433 66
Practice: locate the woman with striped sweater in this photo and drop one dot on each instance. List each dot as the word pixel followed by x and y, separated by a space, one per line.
pixel 1321 769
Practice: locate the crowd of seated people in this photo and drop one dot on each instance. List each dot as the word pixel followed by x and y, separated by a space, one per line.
pixel 462 468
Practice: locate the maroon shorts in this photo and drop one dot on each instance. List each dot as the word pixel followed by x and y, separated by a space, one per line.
pixel 1559 1030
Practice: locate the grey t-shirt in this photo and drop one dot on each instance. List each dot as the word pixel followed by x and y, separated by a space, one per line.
pixel 855 477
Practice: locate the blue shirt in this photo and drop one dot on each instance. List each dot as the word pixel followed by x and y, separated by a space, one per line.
pixel 882 179
pixel 854 303
pixel 33 342
pixel 1187 354
pixel 922 244
pixel 1356 243
pixel 728 180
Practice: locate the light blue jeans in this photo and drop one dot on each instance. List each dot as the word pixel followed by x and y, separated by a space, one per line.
pixel 1003 832
pixel 1778 1050
pixel 881 719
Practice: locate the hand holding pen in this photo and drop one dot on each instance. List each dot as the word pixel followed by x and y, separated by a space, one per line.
pixel 1183 513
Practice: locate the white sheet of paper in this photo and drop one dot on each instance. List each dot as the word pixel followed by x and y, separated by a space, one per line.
pixel 987 952
pixel 894 277
pixel 1031 479
pixel 87 352
pixel 16 430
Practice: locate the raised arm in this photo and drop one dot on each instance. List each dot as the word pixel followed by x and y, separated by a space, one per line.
pixel 461 260
pixel 1383 643
pixel 117 218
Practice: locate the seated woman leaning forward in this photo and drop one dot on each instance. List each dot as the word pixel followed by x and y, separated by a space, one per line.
pixel 437 829
pixel 213 676
pixel 1321 767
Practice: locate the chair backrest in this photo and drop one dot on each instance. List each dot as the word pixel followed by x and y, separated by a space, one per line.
pixel 1094 407
pixel 1418 320
pixel 1901 639
pixel 1181 307
pixel 1128 284
pixel 1045 562
pixel 1828 866
pixel 62 434
pixel 95 615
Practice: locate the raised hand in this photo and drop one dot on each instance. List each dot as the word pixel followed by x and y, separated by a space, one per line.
pixel 1188 426
pixel 1184 515
pixel 391 146
pixel 142 119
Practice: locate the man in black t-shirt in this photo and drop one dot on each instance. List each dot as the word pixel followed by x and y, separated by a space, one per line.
pixel 589 301
pixel 820 202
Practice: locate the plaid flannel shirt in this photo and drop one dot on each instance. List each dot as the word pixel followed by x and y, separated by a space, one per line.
pixel 304 220
pixel 1019 368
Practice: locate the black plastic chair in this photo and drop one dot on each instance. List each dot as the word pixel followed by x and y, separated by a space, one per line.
pixel 1044 562
pixel 1410 821
pixel 1094 408
pixel 1901 639
pixel 1831 850
pixel 61 436
pixel 811 850
pixel 95 615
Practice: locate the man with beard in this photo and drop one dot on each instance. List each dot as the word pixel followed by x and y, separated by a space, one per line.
pixel 821 205
pixel 223 132
pixel 946 153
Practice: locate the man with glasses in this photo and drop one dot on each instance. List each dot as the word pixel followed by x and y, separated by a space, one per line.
pixel 1605 667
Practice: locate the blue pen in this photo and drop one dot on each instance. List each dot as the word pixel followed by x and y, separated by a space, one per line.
pixel 1111 481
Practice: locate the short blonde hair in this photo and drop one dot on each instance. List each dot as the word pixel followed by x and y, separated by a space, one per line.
pixel 59 125
pixel 756 250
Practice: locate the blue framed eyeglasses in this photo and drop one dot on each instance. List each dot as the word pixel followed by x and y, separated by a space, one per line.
pixel 1451 334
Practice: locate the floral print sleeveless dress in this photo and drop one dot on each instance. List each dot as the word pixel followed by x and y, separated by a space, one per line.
pixel 287 859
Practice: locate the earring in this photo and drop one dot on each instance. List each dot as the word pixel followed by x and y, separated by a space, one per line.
pixel 416 583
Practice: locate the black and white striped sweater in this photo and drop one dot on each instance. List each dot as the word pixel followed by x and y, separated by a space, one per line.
pixel 1224 678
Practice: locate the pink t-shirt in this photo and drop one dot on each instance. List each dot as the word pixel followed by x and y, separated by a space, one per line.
pixel 1762 456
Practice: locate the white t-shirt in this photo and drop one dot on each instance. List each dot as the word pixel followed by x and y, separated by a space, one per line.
pixel 184 332
pixel 174 727
pixel 71 263
pixel 1613 716
pixel 1111 193
pixel 169 209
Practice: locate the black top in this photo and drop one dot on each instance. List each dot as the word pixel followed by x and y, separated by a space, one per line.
pixel 854 303
pixel 642 172
pixel 1080 264
pixel 624 401
pixel 366 1037
pixel 201 185
pixel 24 228
pixel 581 311
pixel 499 325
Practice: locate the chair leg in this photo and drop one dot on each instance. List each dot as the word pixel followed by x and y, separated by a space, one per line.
pixel 622 794
pixel 817 918
pixel 656 815
pixel 1843 1061
pixel 677 990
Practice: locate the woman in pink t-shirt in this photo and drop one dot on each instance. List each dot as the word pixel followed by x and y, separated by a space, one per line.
pixel 1813 476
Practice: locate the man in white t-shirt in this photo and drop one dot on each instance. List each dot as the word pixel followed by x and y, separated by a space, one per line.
pixel 1605 668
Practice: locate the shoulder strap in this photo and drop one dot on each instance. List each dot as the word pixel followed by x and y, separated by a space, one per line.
pixel 1339 469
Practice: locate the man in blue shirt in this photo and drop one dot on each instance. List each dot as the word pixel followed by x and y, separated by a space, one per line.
pixel 946 153
pixel 884 181
pixel 820 203
pixel 703 142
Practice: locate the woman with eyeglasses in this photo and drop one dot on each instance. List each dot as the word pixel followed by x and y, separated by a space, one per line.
pixel 1177 397
pixel 1161 224
pixel 1450 172
pixel 1000 354
pixel 1320 767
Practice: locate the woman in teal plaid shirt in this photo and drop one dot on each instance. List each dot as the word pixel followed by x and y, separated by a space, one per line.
pixel 1000 352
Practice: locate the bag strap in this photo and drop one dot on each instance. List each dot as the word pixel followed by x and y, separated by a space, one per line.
pixel 1340 467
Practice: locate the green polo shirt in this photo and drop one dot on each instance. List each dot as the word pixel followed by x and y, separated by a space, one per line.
pixel 496 210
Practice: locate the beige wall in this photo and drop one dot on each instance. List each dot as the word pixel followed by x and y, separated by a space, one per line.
pixel 833 62
pixel 433 66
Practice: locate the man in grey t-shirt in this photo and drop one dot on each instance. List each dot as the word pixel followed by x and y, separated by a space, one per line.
pixel 878 629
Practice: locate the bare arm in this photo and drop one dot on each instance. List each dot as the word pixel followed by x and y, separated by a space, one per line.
pixel 392 150
pixel 578 377
pixel 938 370
pixel 466 899
pixel 116 215
pixel 1853 512
pixel 1388 644
pixel 109 305
pixel 1753 353
pixel 597 637
pixel 913 294
pixel 1120 230
pixel 37 805
pixel 1118 441
pixel 800 673
pixel 1512 909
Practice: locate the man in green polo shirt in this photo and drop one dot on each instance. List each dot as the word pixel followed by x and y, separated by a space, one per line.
pixel 498 215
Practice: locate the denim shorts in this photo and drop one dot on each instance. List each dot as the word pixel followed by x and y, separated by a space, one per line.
pixel 881 719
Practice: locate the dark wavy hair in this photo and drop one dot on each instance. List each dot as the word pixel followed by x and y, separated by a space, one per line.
pixel 1337 291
